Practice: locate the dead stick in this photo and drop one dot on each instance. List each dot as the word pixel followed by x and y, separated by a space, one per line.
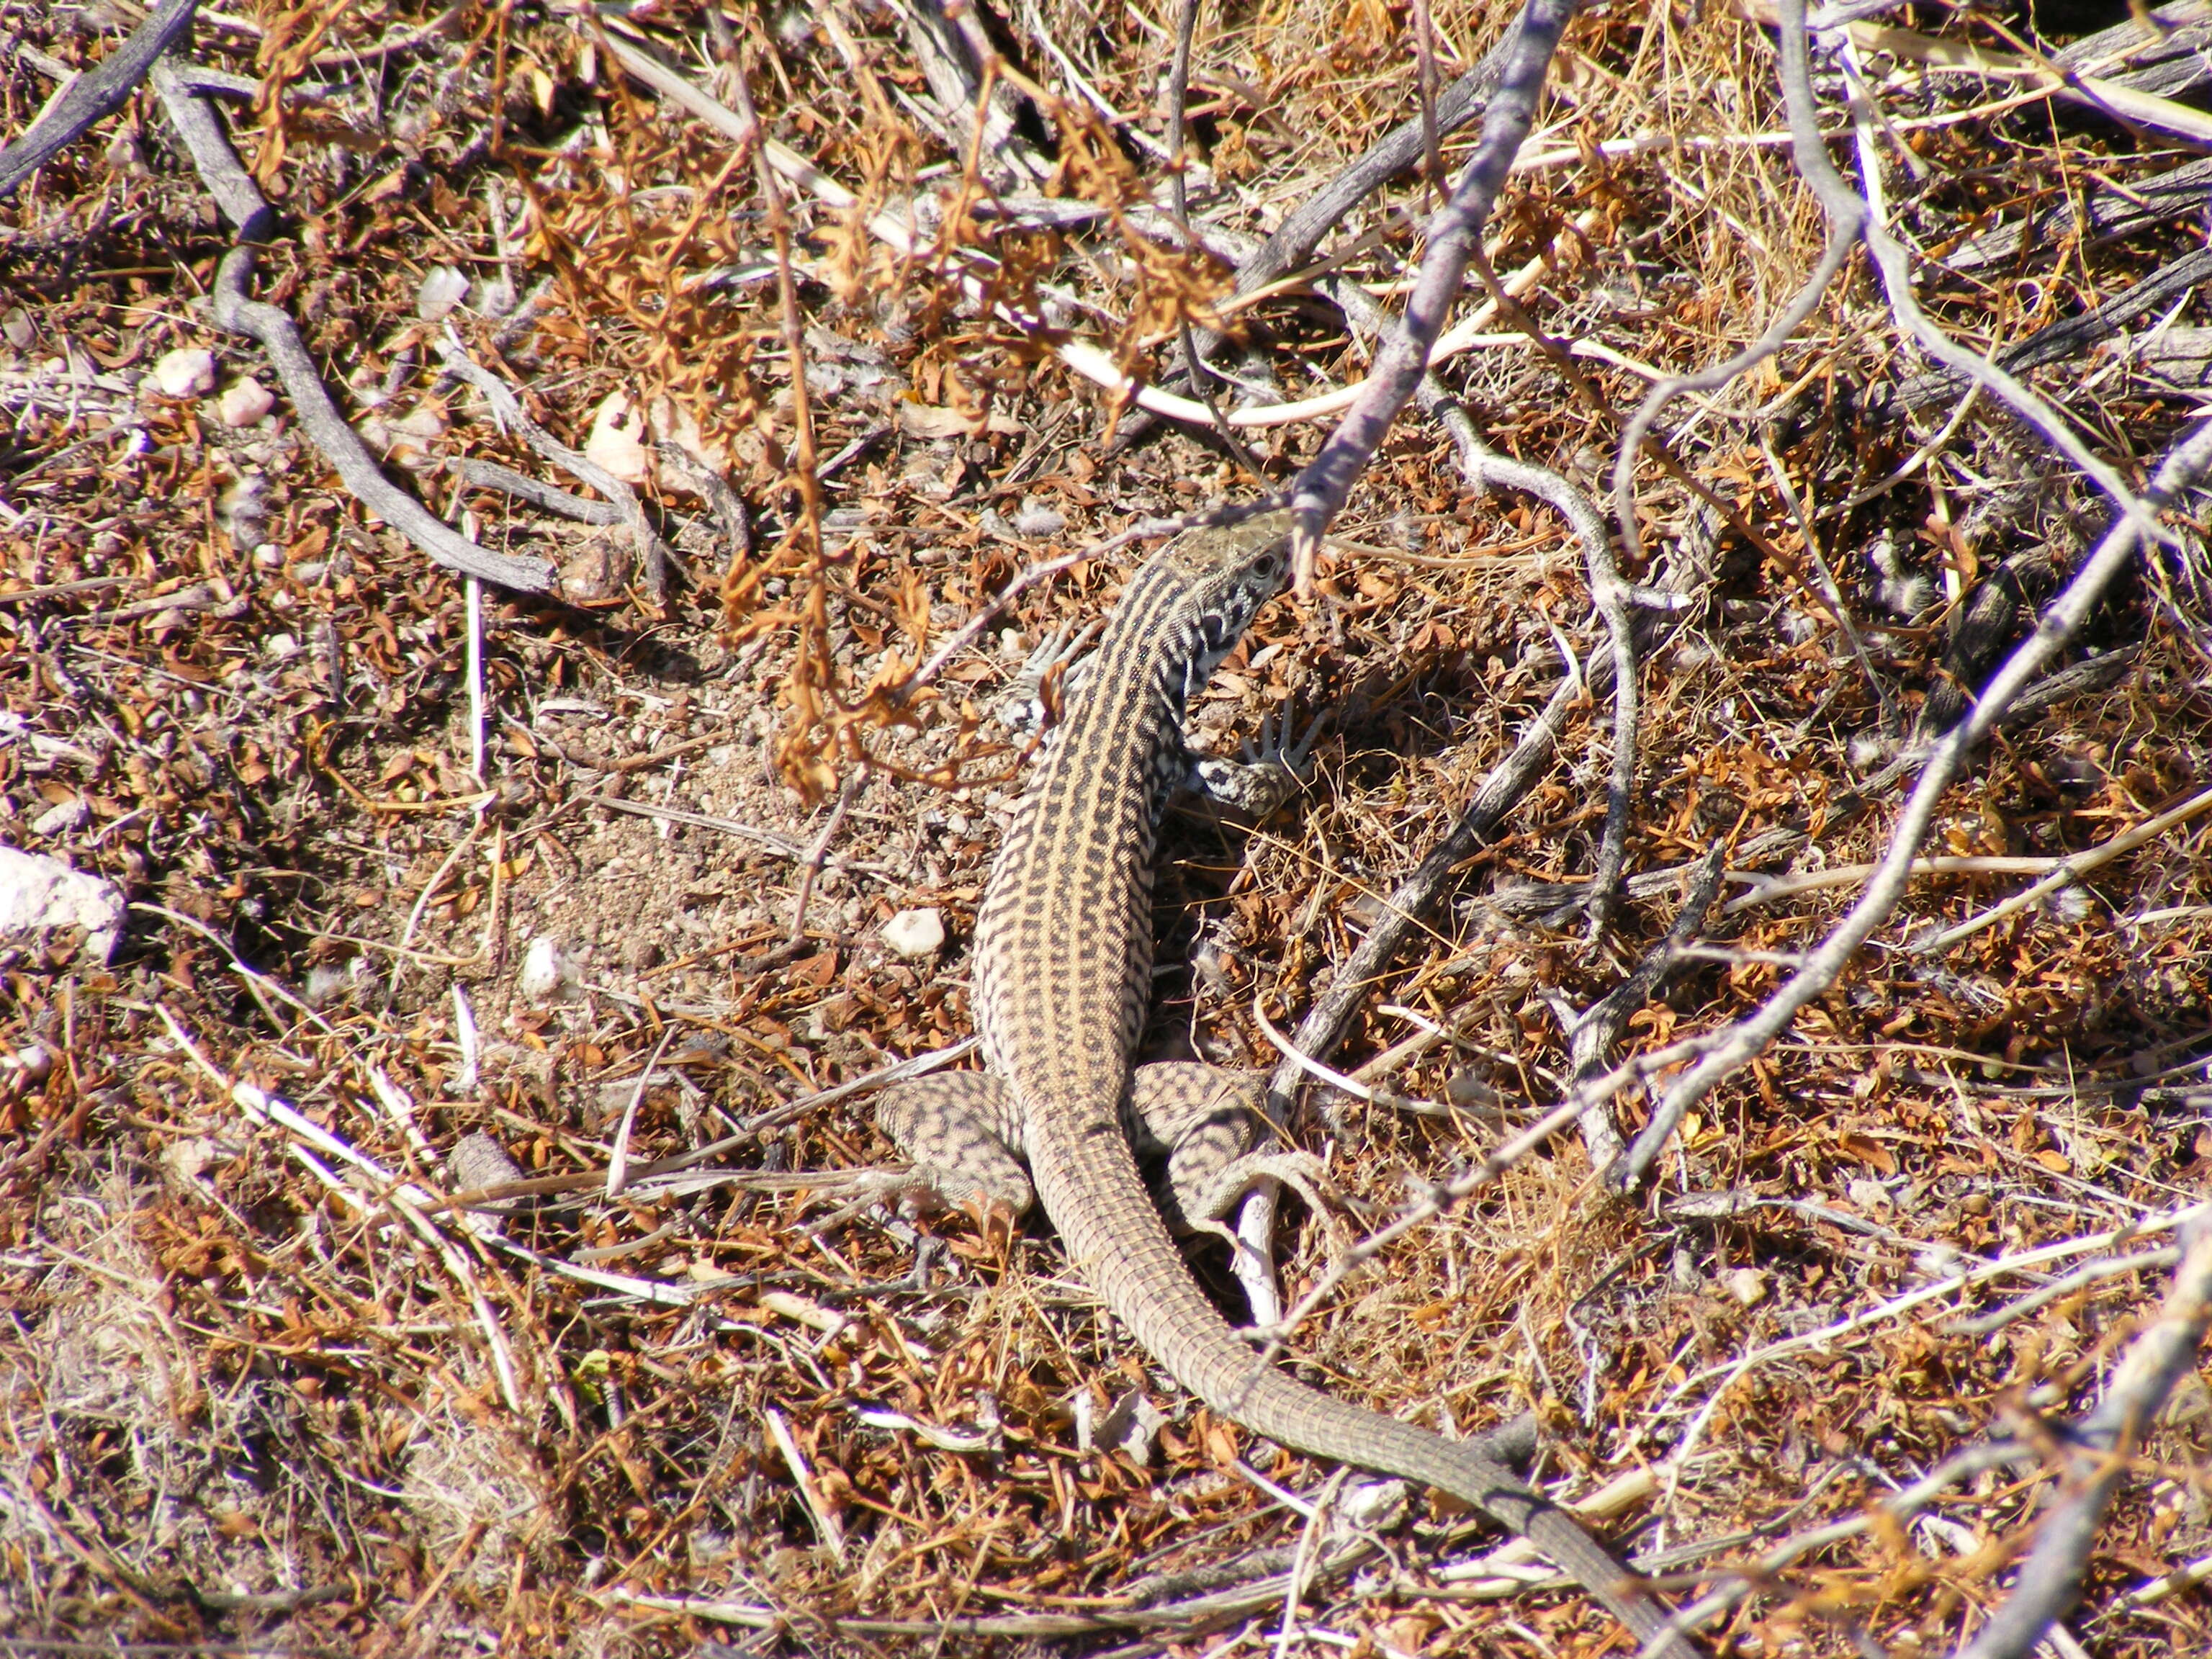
pixel 341 446
pixel 240 199
pixel 1454 233
pixel 95 94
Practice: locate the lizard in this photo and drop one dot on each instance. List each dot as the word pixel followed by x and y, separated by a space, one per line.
pixel 1062 980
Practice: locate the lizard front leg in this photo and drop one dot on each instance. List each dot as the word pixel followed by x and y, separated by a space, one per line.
pixel 1266 773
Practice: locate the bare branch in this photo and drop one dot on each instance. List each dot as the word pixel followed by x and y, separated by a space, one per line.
pixel 653 552
pixel 1591 1036
pixel 1889 258
pixel 490 475
pixel 2050 1578
pixel 1321 490
pixel 341 446
pixel 1847 216
pixel 1294 240
pixel 1748 1037
pixel 1323 1025
pixel 2073 337
pixel 95 94
pixel 279 337
pixel 196 122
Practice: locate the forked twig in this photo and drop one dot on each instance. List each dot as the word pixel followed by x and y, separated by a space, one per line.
pixel 232 186
pixel 341 446
pixel 1740 1043
pixel 1599 1026
pixel 241 200
pixel 1747 1037
pixel 1293 242
pixel 1847 216
pixel 1889 258
pixel 1454 233
pixel 507 410
pixel 2050 1578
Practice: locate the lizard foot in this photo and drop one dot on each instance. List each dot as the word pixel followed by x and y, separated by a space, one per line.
pixel 1043 683
pixel 1267 771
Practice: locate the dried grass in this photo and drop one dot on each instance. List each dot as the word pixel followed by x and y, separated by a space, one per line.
pixel 246 1396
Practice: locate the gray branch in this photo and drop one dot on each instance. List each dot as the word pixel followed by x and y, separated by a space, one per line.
pixel 242 202
pixel 341 446
pixel 96 93
pixel 1454 233
pixel 1749 1038
pixel 2050 1578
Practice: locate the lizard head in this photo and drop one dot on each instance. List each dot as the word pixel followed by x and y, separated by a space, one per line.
pixel 1226 576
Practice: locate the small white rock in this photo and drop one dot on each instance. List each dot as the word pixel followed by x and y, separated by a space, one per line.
pixel 1938 1259
pixel 282 647
pixel 333 982
pixel 33 1063
pixel 1130 1425
pixel 187 372
pixel 1038 524
pixel 244 403
pixel 425 420
pixel 617 439
pixel 189 1160
pixel 549 973
pixel 243 508
pixel 1871 1196
pixel 916 934
pixel 38 893
pixel 62 818
pixel 1747 1285
pixel 1373 1506
pixel 442 288
pixel 368 388
pixel 405 439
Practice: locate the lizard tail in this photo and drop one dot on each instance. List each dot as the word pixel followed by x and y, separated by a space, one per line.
pixel 1087 1180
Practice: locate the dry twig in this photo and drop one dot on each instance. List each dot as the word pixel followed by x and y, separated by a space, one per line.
pixel 92 97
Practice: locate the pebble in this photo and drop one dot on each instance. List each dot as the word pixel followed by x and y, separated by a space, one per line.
pixel 62 818
pixel 443 288
pixel 38 894
pixel 187 372
pixel 1870 1197
pixel 33 1063
pixel 617 439
pixel 333 982
pixel 916 934
pixel 244 403
pixel 549 973
pixel 1039 524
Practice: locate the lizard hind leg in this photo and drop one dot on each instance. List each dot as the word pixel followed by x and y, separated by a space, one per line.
pixel 1204 1120
pixel 1209 1122
pixel 960 1130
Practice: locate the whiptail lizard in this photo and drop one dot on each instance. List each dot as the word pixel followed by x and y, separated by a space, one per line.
pixel 1062 985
